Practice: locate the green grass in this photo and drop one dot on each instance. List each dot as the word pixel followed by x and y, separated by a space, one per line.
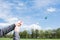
pixel 27 39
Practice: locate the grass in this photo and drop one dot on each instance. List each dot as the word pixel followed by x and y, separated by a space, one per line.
pixel 27 39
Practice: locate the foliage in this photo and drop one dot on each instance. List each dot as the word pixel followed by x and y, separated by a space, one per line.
pixel 39 34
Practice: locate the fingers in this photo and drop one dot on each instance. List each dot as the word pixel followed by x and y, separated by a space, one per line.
pixel 19 23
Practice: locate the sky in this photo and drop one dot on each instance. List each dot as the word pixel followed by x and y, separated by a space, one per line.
pixel 31 12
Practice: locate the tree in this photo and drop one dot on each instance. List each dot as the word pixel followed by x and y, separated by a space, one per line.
pixel 37 33
pixel 33 33
pixel 24 34
pixel 48 34
pixel 42 34
pixel 58 33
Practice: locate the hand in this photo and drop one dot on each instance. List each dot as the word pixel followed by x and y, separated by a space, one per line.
pixel 19 23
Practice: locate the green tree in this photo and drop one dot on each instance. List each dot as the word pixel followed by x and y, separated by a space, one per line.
pixel 37 33
pixel 33 33
pixel 58 33
pixel 42 34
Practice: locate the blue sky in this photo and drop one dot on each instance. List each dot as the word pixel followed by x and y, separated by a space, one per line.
pixel 32 12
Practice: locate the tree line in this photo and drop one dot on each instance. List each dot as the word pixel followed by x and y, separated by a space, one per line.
pixel 38 34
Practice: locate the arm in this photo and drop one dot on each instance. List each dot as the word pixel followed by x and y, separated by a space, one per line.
pixel 16 31
pixel 6 30
pixel 16 36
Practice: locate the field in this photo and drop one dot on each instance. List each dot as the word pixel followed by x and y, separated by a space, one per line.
pixel 27 39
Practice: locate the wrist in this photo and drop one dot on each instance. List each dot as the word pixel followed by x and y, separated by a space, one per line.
pixel 17 29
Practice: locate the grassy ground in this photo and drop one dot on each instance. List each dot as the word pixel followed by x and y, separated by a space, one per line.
pixel 27 39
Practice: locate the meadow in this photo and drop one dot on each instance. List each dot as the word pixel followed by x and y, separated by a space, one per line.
pixel 27 39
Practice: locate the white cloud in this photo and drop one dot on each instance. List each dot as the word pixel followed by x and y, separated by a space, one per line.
pixel 2 25
pixel 41 3
pixel 20 4
pixel 11 20
pixel 29 27
pixel 28 17
pixel 51 9
pixel 4 9
pixel 8 18
pixel 35 26
pixel 4 6
pixel 5 13
pixel 48 28
pixel 8 21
